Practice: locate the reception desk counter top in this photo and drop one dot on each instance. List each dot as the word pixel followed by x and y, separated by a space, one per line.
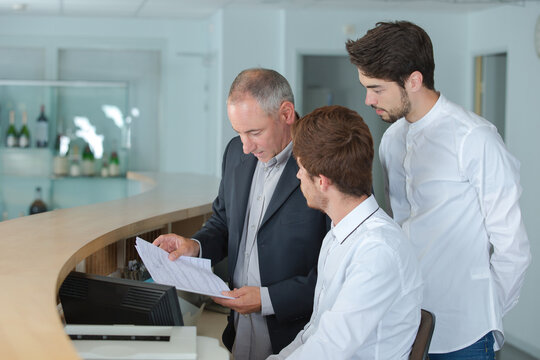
pixel 38 251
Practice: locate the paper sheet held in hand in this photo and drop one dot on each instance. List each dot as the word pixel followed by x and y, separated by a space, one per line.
pixel 185 273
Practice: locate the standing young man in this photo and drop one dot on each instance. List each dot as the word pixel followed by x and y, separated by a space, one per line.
pixel 369 288
pixel 453 187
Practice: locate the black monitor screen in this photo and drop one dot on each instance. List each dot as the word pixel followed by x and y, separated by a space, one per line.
pixel 101 300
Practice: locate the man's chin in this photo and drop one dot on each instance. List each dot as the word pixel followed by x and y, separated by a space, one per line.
pixel 313 206
pixel 388 119
pixel 260 157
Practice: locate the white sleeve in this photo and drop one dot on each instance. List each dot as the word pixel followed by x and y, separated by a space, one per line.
pixel 200 247
pixel 494 173
pixel 371 286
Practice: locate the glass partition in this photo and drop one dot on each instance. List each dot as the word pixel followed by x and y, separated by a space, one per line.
pixel 85 136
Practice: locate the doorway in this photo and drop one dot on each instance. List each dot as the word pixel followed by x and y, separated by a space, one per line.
pixel 490 89
pixel 333 80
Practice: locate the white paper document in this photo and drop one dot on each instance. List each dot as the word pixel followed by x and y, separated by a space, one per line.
pixel 185 273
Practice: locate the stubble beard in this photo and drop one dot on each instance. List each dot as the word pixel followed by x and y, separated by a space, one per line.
pixel 402 111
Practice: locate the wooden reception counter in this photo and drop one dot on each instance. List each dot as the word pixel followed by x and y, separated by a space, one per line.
pixel 37 252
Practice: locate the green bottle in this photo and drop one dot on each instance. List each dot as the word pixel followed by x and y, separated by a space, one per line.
pixel 87 153
pixel 24 134
pixel 88 167
pixel 12 140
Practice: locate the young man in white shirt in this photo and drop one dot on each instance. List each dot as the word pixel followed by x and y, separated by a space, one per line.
pixel 369 288
pixel 452 186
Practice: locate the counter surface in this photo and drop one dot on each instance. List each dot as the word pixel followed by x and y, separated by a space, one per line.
pixel 38 251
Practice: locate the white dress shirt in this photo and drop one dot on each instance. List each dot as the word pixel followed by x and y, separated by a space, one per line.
pixel 454 189
pixel 368 292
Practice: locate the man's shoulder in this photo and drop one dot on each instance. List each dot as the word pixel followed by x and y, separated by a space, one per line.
pixel 459 117
pixel 234 146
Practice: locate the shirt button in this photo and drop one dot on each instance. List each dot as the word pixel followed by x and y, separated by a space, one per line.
pixel 259 198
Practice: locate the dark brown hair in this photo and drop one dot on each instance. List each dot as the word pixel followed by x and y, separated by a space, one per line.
pixel 334 141
pixel 392 51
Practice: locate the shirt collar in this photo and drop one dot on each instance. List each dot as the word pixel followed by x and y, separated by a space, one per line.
pixel 351 221
pixel 280 159
pixel 427 119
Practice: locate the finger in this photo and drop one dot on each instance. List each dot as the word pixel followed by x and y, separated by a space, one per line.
pixel 222 302
pixel 158 241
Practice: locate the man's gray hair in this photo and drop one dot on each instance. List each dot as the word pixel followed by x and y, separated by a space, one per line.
pixel 267 86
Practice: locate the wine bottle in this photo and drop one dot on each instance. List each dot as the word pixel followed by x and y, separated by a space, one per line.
pixel 114 164
pixel 88 166
pixel 24 134
pixel 74 166
pixel 38 206
pixel 12 140
pixel 104 167
pixel 42 129
pixel 60 161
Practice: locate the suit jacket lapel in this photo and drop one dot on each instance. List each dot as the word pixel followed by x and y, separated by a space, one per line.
pixel 286 185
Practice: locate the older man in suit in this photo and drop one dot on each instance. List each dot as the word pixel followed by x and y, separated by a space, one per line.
pixel 261 221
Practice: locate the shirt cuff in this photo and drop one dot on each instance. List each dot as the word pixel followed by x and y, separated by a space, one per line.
pixel 200 247
pixel 266 303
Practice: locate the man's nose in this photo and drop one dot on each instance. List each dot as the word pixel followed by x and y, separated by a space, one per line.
pixel 248 145
pixel 370 100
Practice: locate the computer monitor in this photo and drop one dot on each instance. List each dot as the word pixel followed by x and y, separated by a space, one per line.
pixel 102 300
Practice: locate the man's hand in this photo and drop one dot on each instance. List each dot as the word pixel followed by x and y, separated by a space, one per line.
pixel 248 299
pixel 177 246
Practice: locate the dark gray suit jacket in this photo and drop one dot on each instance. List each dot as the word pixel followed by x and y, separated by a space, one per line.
pixel 288 242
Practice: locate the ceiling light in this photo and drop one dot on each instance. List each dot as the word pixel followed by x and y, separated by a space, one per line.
pixel 19 6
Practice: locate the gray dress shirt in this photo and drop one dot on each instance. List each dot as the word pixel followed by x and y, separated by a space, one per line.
pixel 252 337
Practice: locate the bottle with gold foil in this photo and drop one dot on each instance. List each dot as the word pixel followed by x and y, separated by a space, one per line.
pixel 12 138
pixel 24 133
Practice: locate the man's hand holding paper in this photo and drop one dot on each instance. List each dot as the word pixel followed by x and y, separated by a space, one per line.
pixel 177 245
pixel 245 300
pixel 186 273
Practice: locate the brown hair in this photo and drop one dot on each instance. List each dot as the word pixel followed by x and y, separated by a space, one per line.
pixel 334 141
pixel 392 51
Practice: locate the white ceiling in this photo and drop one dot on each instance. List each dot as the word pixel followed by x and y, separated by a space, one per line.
pixel 203 8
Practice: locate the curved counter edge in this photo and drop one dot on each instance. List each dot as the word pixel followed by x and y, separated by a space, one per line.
pixel 39 251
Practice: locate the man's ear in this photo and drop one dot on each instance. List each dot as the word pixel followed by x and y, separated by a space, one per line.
pixel 324 182
pixel 415 81
pixel 286 112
